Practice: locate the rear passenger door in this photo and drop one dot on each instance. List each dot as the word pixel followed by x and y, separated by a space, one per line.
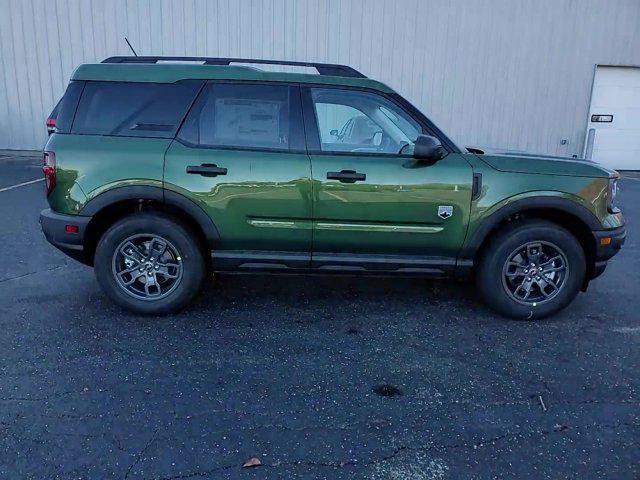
pixel 240 155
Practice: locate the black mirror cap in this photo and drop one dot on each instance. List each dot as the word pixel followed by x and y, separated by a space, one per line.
pixel 428 149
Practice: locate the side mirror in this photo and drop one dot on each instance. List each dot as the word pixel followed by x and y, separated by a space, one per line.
pixel 428 149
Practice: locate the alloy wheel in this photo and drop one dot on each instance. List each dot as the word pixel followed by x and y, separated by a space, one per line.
pixel 147 266
pixel 535 273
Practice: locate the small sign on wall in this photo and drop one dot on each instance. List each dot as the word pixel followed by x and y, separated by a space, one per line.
pixel 602 118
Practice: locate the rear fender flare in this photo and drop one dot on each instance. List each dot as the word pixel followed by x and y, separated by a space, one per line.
pixel 167 197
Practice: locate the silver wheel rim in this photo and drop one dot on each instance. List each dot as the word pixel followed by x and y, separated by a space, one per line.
pixel 147 266
pixel 535 273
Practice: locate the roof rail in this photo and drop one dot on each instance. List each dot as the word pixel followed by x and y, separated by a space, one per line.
pixel 323 68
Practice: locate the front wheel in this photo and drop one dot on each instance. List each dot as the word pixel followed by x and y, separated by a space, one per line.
pixel 149 263
pixel 531 269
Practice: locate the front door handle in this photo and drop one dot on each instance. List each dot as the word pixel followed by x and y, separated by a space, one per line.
pixel 207 170
pixel 347 176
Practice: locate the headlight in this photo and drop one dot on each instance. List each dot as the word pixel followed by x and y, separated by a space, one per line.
pixel 611 195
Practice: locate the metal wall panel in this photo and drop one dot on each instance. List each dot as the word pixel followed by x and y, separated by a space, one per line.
pixel 511 74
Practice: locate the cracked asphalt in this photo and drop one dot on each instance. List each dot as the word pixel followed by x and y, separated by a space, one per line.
pixel 284 369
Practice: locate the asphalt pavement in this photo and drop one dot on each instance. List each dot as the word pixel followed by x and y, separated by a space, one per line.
pixel 317 377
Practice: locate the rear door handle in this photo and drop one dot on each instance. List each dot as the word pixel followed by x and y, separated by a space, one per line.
pixel 207 170
pixel 347 176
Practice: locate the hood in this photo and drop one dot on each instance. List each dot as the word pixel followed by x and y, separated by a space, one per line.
pixel 518 162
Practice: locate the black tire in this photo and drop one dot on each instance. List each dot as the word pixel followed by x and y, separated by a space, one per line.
pixel 490 274
pixel 189 255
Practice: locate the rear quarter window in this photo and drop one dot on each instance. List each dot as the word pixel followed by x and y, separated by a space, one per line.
pixel 66 108
pixel 134 109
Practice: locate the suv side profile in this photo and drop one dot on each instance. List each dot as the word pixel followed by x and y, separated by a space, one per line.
pixel 160 173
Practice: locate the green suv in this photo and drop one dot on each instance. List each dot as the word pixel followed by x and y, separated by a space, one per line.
pixel 162 170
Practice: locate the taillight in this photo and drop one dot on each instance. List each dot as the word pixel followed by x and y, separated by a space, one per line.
pixel 49 169
pixel 51 125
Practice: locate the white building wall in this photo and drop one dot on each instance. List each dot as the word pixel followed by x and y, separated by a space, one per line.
pixel 512 74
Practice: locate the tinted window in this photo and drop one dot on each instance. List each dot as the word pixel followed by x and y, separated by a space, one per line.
pixel 66 107
pixel 363 122
pixel 134 109
pixel 245 116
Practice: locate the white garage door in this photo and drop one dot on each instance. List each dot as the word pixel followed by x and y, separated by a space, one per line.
pixel 613 132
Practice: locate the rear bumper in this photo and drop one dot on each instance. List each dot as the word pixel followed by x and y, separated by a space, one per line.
pixel 54 227
pixel 608 243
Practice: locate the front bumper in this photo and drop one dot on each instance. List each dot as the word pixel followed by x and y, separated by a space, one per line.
pixel 54 226
pixel 608 243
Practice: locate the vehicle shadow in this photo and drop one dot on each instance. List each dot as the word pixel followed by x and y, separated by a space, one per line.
pixel 317 297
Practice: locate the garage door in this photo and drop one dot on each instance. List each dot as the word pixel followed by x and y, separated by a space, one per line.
pixel 613 132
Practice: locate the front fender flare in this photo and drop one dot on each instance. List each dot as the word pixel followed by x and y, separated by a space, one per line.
pixel 475 240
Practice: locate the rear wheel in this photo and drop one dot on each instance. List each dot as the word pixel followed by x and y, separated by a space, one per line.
pixel 150 263
pixel 531 269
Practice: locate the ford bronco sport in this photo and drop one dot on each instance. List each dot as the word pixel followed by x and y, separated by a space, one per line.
pixel 160 172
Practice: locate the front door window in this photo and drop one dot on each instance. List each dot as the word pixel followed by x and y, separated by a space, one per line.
pixel 357 121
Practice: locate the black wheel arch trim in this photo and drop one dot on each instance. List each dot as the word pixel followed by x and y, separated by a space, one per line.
pixel 473 243
pixel 162 195
pixel 119 194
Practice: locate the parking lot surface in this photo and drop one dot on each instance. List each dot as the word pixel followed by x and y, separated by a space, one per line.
pixel 318 377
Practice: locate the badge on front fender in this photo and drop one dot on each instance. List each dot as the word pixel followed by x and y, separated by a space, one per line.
pixel 445 211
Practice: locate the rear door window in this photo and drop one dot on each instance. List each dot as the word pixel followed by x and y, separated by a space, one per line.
pixel 134 109
pixel 246 116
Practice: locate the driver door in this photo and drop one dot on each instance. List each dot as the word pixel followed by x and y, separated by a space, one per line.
pixel 372 203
